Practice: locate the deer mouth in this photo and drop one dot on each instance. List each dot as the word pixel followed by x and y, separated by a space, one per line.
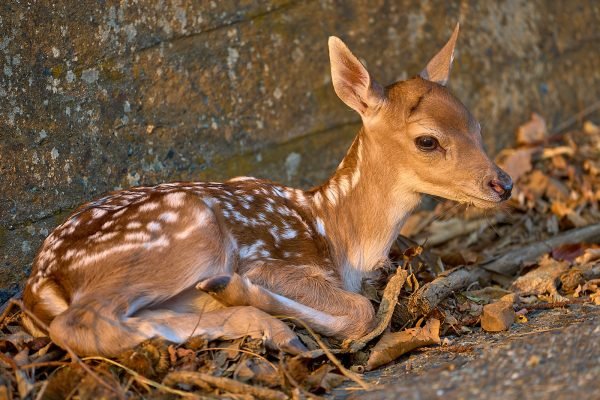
pixel 481 202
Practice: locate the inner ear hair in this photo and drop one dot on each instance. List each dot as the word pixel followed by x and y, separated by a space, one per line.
pixel 438 68
pixel 351 80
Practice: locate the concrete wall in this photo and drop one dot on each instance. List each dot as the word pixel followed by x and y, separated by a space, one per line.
pixel 98 95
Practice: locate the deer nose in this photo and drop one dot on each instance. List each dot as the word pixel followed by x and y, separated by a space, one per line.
pixel 502 185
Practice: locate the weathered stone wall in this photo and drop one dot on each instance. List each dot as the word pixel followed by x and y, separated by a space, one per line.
pixel 98 95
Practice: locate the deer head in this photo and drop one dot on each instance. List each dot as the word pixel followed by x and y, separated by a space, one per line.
pixel 423 137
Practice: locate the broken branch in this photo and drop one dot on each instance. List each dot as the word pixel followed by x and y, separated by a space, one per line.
pixel 225 384
pixel 509 263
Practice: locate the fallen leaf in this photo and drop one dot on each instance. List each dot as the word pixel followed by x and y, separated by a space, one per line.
pixel 558 151
pixel 532 131
pixel 590 254
pixel 487 294
pixel 569 252
pixel 537 183
pixel 590 128
pixel 393 345
pixel 595 297
pixel 258 371
pixel 516 162
pixel 542 280
pixel 322 378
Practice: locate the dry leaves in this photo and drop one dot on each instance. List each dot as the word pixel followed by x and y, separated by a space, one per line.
pixel 394 344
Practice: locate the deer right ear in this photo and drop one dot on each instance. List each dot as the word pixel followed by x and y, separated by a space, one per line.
pixel 351 80
pixel 438 68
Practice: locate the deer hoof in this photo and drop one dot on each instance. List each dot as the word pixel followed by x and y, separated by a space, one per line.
pixel 215 284
pixel 293 346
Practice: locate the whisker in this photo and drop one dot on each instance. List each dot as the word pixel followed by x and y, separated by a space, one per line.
pixel 491 223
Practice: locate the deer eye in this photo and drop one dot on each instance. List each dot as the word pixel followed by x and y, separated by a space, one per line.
pixel 427 143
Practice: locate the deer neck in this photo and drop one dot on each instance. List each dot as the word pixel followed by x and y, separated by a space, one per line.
pixel 361 209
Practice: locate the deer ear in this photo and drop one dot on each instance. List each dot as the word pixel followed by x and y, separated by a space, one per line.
pixel 438 68
pixel 351 80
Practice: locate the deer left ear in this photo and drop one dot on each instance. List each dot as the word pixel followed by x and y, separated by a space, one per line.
pixel 438 68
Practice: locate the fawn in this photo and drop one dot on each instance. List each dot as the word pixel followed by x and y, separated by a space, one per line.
pixel 220 259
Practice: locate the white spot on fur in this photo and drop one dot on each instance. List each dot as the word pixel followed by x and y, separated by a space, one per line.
pixel 274 233
pixel 331 194
pixel 119 213
pixel 355 178
pixel 168 216
pixel 251 250
pixel 153 226
pixel 318 199
pixel 91 258
pixel 277 191
pixel 241 178
pixel 187 232
pixel 202 216
pixel 106 237
pixel 289 234
pixel 55 245
pixel 239 217
pixel 134 225
pixel 98 213
pixel 69 254
pixel 137 236
pixel 175 199
pixel 153 205
pixel 320 226
pixel 283 210
pixel 108 224
pixel 344 186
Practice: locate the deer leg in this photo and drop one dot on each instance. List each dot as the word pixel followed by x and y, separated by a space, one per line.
pixel 317 302
pixel 91 327
pixel 145 292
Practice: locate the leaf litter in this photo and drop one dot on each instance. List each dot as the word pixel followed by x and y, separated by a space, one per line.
pixel 433 287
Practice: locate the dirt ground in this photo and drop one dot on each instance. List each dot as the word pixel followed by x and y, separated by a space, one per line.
pixel 554 355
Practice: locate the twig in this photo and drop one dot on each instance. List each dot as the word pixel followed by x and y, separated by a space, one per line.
pixel 241 351
pixel 386 309
pixel 45 364
pixel 226 384
pixel 6 309
pixel 141 378
pixel 294 383
pixel 509 263
pixel 72 354
pixel 577 117
pixel 556 304
pixel 42 391
pixel 345 371
pixel 426 298
pixel 452 228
